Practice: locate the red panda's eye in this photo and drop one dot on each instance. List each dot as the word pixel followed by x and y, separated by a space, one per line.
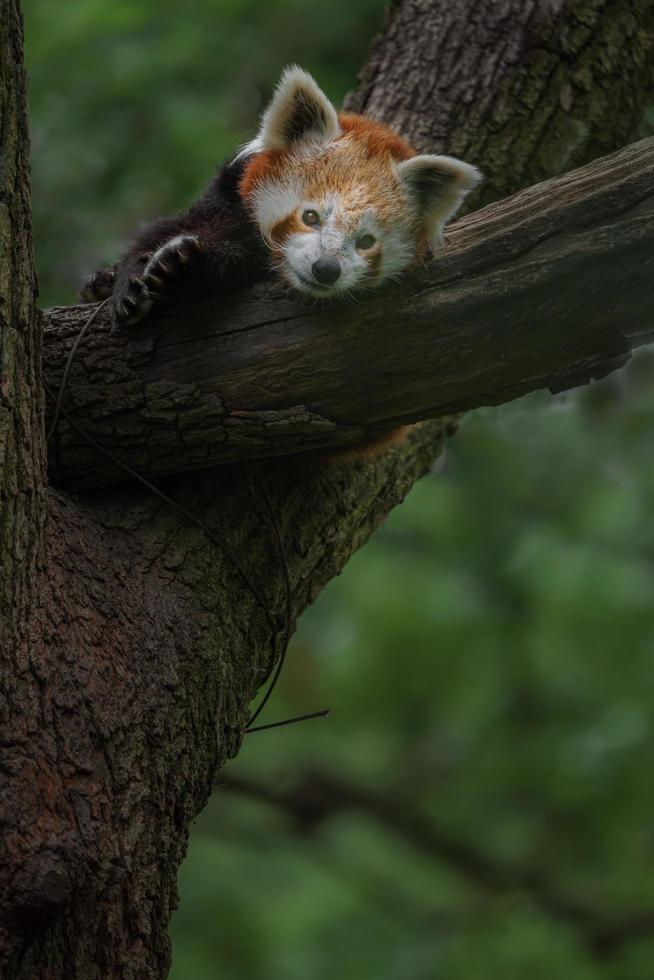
pixel 366 241
pixel 311 218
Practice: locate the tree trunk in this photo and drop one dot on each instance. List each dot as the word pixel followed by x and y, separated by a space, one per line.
pixel 22 455
pixel 525 88
pixel 131 645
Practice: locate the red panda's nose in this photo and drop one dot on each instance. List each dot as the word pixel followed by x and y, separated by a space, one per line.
pixel 326 270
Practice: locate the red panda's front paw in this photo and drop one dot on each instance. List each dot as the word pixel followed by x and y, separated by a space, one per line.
pixel 161 279
pixel 132 303
pixel 170 263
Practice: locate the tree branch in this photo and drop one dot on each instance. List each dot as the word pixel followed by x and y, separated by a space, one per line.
pixel 548 288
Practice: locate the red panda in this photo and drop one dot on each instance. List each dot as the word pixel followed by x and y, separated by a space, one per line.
pixel 332 203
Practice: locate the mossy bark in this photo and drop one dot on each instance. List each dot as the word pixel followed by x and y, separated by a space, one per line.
pixel 130 646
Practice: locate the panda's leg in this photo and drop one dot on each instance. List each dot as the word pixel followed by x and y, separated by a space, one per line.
pixel 154 278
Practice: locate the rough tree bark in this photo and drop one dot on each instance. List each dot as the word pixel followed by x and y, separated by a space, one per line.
pixel 22 456
pixel 527 88
pixel 130 646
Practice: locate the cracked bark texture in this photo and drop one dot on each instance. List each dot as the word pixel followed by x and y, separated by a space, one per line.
pixel 131 647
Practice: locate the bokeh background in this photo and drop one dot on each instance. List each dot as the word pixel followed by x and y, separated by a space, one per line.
pixel 480 806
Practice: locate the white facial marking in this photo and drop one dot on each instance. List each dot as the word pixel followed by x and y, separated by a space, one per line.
pixel 273 200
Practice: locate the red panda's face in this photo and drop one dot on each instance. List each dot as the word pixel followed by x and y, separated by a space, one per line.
pixel 342 202
pixel 334 216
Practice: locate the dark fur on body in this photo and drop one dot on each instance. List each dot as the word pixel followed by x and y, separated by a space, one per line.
pixel 229 252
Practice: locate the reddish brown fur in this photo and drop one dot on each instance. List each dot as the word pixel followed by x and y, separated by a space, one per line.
pixel 377 138
pixel 369 141
pixel 290 225
pixel 266 164
pixel 367 449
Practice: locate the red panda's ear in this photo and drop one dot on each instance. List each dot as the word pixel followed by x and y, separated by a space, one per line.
pixel 299 110
pixel 437 187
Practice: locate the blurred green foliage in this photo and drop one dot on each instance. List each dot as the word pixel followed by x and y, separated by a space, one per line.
pixel 489 656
